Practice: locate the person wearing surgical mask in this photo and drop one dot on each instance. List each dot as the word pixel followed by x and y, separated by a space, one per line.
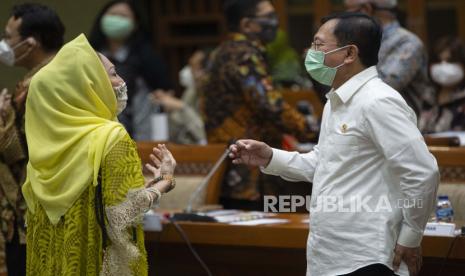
pixel 239 99
pixel 185 124
pixel 33 34
pixel 85 190
pixel 447 72
pixel 119 35
pixel 403 61
pixel 369 149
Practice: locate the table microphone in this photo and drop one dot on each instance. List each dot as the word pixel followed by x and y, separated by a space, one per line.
pixel 188 214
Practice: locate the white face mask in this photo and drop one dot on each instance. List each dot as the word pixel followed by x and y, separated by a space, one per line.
pixel 121 93
pixel 186 78
pixel 446 73
pixel 7 55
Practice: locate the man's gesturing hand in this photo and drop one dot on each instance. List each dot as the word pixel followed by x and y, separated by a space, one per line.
pixel 251 152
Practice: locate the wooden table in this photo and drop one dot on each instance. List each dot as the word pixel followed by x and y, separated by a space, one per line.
pixel 277 249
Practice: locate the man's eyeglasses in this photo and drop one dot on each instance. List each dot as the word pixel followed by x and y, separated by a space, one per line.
pixel 316 45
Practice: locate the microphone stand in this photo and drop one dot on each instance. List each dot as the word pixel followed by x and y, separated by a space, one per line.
pixel 188 214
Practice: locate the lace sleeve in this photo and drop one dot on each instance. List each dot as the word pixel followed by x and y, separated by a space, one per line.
pixel 125 200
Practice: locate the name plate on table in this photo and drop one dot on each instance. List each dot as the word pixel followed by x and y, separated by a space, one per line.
pixel 440 229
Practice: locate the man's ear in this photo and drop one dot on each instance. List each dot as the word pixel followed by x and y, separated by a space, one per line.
pixel 352 54
pixel 32 41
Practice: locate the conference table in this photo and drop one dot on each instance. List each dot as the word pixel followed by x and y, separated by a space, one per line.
pixel 274 249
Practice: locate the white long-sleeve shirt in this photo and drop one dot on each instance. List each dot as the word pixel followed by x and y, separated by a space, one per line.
pixel 372 163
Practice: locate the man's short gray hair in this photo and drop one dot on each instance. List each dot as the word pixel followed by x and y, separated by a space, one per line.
pixel 389 4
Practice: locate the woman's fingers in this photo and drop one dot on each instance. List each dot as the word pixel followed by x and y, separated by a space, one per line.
pixel 151 168
pixel 168 162
pixel 163 150
pixel 173 161
pixel 157 152
pixel 158 156
pixel 167 156
pixel 155 160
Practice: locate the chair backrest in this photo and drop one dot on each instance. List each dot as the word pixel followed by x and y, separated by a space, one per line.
pixel 451 162
pixel 442 141
pixel 193 164
pixel 294 97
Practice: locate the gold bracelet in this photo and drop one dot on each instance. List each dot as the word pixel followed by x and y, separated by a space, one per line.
pixel 156 180
pixel 167 177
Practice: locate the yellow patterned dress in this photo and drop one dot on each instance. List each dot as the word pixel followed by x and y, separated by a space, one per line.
pixel 74 246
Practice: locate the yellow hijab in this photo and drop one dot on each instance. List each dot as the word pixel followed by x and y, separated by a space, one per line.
pixel 70 126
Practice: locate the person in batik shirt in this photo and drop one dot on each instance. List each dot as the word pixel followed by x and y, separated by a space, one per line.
pixel 239 99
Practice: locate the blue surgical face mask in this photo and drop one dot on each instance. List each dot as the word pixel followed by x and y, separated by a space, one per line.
pixel 316 68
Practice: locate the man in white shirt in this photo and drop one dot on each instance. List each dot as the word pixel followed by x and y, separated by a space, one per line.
pixel 371 161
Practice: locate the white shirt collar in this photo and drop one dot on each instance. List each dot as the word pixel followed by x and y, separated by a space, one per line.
pixel 350 87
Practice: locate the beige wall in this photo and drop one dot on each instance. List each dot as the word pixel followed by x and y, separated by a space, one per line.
pixel 77 16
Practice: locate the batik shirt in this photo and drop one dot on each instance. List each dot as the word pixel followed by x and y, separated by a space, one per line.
pixel 13 161
pixel 239 102
pixel 403 65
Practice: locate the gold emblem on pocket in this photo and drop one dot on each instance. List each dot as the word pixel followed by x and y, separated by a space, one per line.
pixel 344 128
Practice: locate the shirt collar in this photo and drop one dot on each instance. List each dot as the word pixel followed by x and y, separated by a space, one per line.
pixel 350 87
pixel 254 41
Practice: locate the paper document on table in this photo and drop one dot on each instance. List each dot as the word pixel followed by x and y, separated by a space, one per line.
pixel 221 213
pixel 260 221
pixel 240 216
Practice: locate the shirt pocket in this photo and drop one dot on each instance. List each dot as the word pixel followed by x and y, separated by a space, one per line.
pixel 344 139
pixel 342 151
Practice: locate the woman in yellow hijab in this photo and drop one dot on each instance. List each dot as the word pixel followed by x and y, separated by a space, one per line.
pixel 85 190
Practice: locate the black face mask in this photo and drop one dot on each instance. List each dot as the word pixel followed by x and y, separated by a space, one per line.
pixel 269 30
